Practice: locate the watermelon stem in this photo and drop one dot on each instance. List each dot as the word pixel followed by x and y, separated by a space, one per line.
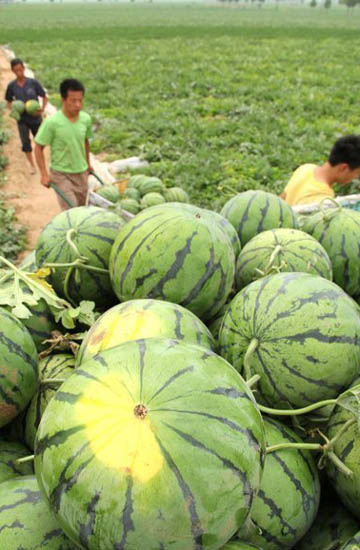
pixel 280 446
pixel 71 243
pixel 339 464
pixel 253 380
pixel 297 412
pixel 251 348
pixel 329 212
pixel 24 459
pixel 79 263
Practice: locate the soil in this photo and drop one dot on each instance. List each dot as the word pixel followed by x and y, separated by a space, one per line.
pixel 34 205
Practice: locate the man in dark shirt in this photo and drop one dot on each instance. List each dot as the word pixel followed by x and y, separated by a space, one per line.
pixel 23 88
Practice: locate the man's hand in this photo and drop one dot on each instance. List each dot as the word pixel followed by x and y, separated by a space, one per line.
pixel 45 180
pixel 90 169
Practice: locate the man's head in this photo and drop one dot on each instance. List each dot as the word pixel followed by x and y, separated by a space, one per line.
pixel 17 67
pixel 72 95
pixel 344 158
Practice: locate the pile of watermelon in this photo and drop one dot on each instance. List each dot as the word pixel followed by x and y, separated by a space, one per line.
pixel 211 402
pixel 142 192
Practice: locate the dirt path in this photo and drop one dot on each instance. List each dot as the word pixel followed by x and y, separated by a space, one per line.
pixel 35 206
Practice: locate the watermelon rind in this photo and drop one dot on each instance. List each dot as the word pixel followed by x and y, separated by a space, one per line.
pixel 193 267
pixel 32 107
pixel 135 435
pixel 130 205
pixel 109 192
pixel 303 327
pixel 281 250
pixel 288 499
pixel 10 452
pixel 25 520
pixel 252 212
pixel 93 231
pixel 151 199
pixel 139 319
pixel 176 194
pixel 18 360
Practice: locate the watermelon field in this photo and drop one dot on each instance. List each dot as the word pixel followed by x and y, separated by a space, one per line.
pixel 211 95
pixel 180 369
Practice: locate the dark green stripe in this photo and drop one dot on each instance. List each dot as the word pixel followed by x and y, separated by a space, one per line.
pixel 170 380
pixel 126 520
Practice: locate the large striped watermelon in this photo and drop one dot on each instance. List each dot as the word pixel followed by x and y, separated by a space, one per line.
pixel 10 452
pixel 86 231
pixel 304 333
pixel 138 319
pixel 153 258
pixel 287 502
pixel 333 525
pixel 338 231
pixel 152 444
pixel 212 217
pixel 282 250
pixel 25 520
pixel 53 367
pixel 18 367
pixel 252 212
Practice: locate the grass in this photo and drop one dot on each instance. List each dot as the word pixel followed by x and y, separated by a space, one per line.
pixel 213 96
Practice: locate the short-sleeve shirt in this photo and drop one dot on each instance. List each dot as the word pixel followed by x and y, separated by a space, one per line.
pixel 304 188
pixel 66 140
pixel 32 89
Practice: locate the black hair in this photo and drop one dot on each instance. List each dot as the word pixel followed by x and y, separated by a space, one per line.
pixel 346 150
pixel 71 85
pixel 16 61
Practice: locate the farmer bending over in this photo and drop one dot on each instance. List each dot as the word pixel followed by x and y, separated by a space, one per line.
pixel 24 89
pixel 313 183
pixel 67 132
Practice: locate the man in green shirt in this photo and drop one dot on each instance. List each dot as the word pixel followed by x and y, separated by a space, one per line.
pixel 67 132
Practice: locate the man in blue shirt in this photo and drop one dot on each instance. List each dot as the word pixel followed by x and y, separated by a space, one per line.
pixel 24 88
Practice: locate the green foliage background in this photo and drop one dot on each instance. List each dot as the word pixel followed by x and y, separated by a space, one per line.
pixel 227 96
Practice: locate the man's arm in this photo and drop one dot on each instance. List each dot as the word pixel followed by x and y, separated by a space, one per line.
pixel 87 152
pixel 44 103
pixel 40 161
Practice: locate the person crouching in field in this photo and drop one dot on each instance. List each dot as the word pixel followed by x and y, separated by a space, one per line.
pixel 313 183
pixel 24 89
pixel 67 132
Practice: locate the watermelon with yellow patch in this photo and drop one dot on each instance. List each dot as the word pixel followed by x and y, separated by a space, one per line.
pixel 146 318
pixel 155 443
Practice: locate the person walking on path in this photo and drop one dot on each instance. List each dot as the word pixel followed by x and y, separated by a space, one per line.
pixel 67 132
pixel 24 89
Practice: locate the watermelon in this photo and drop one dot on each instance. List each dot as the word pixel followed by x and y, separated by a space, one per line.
pixel 213 217
pixel 332 527
pixel 240 545
pixel 135 436
pixel 143 319
pixel 109 192
pixel 150 185
pixel 281 250
pixel 130 205
pixel 137 180
pixel 10 452
pixel 337 230
pixel 193 267
pixel 301 328
pixel 56 367
pixel 151 199
pixel 353 543
pixel 288 500
pixel 92 230
pixel 17 108
pixel 176 194
pixel 347 449
pixel 25 521
pixel 215 323
pixel 18 367
pixel 32 107
pixel 252 212
pixel 131 193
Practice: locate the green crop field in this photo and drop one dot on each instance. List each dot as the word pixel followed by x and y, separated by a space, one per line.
pixel 211 95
